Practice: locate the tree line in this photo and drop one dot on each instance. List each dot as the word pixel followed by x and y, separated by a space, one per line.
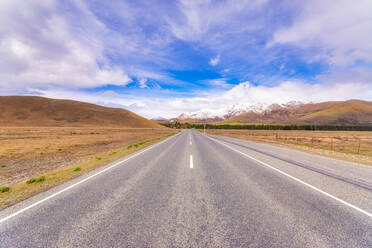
pixel 179 125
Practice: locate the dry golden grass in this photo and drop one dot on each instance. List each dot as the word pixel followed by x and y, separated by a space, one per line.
pixel 35 111
pixel 352 146
pixel 60 154
pixel 29 152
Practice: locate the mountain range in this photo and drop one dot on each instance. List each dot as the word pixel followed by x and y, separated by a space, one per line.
pixel 40 111
pixel 351 112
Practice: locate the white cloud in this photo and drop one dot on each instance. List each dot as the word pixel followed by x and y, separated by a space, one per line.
pixel 247 96
pixel 244 94
pixel 341 30
pixel 219 82
pixel 142 83
pixel 40 47
pixel 214 61
pixel 296 91
pixel 109 93
pixel 198 17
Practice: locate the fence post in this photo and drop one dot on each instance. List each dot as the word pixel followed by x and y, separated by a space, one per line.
pixel 359 146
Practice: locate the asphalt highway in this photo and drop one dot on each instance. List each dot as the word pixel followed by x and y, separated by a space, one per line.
pixel 198 190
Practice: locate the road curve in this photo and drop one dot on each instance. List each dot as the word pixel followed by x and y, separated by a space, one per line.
pixel 197 190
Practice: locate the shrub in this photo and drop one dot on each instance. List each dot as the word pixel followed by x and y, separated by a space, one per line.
pixel 36 180
pixel 3 165
pixel 98 158
pixel 4 189
pixel 77 169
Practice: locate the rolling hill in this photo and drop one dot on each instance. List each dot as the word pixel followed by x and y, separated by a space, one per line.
pixel 40 111
pixel 352 112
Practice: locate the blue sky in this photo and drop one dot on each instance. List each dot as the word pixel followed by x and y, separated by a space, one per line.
pixel 164 58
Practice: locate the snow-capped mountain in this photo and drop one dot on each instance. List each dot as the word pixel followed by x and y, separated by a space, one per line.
pixel 235 110
pixel 223 113
pixel 351 112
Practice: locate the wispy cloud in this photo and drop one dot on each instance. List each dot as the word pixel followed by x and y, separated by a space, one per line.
pixel 214 61
pixel 337 30
pixel 142 83
pixel 203 18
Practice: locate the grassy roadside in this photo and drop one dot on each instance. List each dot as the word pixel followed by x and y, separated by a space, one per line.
pixel 352 146
pixel 10 195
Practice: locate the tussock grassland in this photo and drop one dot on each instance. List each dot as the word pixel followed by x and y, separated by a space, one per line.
pixel 354 146
pixel 40 158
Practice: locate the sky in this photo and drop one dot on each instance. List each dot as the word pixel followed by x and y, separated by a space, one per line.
pixel 165 58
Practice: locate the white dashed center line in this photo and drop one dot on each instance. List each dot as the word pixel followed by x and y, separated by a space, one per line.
pixel 191 162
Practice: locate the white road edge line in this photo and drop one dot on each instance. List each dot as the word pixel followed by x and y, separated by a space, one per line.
pixel 298 180
pixel 191 162
pixel 82 181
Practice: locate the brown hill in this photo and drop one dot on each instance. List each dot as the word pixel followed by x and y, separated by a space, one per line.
pixel 352 112
pixel 40 111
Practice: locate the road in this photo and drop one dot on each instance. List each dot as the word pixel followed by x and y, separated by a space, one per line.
pixel 197 190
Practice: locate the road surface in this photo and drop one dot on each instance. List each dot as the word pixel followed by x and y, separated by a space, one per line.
pixel 197 190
